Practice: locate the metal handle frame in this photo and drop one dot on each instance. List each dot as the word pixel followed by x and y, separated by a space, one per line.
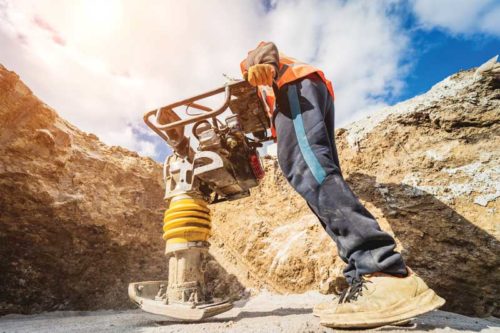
pixel 151 118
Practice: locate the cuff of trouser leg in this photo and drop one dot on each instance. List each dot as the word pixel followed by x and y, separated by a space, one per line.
pixel 396 271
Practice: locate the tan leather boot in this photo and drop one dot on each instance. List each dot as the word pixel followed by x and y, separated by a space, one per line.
pixel 320 307
pixel 380 299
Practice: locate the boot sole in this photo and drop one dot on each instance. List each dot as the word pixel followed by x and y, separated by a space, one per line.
pixel 423 303
pixel 404 322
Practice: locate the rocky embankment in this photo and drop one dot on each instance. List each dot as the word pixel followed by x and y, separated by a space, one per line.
pixel 427 168
pixel 80 220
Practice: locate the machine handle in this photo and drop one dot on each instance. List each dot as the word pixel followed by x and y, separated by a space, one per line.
pixel 158 128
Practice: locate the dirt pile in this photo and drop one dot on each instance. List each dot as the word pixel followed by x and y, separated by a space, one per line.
pixel 427 168
pixel 78 220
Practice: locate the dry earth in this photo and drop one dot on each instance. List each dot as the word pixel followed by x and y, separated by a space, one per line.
pixel 78 219
pixel 265 313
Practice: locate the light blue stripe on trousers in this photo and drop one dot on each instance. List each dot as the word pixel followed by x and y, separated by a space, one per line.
pixel 298 124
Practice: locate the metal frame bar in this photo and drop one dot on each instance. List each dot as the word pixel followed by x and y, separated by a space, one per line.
pixel 190 102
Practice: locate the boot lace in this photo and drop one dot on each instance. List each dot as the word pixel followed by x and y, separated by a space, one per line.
pixel 354 291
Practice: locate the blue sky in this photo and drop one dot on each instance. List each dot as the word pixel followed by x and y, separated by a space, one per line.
pixel 102 64
pixel 439 53
pixel 442 55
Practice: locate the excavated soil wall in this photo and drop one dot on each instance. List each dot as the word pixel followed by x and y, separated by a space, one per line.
pixel 78 220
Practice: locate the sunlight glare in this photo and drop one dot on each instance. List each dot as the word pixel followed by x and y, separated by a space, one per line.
pixel 100 16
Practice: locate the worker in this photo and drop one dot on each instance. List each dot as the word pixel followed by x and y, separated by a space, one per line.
pixel 382 289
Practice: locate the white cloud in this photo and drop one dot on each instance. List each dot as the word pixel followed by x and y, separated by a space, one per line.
pixel 102 64
pixel 459 17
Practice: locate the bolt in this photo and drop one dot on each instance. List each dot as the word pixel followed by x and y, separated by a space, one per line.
pixel 231 142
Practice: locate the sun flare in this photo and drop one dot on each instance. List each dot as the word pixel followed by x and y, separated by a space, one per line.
pixel 99 16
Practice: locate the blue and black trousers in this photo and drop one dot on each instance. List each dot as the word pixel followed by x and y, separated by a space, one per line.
pixel 307 155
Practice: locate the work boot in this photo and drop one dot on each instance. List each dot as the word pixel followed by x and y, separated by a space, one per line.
pixel 320 307
pixel 380 299
pixel 340 285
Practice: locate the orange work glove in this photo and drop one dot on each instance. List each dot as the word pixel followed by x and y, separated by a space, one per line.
pixel 261 75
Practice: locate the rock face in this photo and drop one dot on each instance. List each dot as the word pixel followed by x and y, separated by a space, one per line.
pixel 428 169
pixel 78 220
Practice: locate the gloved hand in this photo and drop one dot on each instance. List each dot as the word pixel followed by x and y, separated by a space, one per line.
pixel 261 75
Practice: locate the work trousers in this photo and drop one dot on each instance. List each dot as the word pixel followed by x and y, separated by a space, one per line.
pixel 307 155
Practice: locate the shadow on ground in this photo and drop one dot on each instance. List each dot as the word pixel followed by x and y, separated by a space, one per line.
pixel 281 312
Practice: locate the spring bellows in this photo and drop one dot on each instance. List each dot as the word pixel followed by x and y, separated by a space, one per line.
pixel 186 220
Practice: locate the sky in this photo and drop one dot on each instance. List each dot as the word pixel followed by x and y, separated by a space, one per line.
pixel 103 63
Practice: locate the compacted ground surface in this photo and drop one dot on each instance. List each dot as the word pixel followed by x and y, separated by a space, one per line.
pixel 265 312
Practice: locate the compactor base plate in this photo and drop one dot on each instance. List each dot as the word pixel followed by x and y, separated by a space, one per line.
pixel 144 295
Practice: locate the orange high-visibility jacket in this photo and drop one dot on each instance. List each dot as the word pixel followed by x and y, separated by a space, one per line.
pixel 288 70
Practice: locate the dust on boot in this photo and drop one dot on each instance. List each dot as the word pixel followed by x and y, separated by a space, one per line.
pixel 380 299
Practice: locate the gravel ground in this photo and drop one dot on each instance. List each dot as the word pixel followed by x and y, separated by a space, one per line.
pixel 265 312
